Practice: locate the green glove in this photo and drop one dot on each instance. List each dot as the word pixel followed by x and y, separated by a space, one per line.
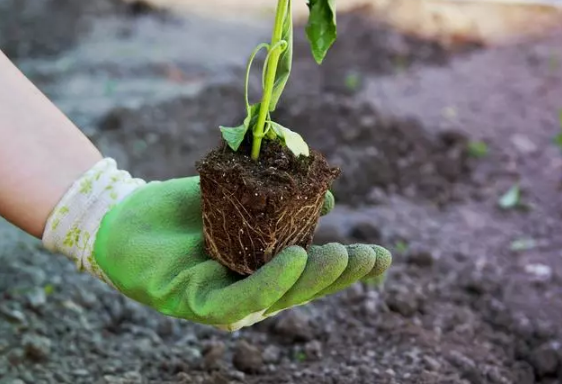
pixel 148 243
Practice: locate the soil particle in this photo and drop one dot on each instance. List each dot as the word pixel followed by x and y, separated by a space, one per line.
pixel 271 354
pixel 294 325
pixel 36 347
pixel 523 373
pixel 237 375
pixel 86 299
pixel 467 367
pixel 355 293
pixel 247 358
pixel 405 303
pixel 37 298
pixel 478 283
pixel 166 327
pixel 546 359
pixel 15 357
pixel 371 305
pixel 431 363
pixel 366 232
pixel 213 354
pixel 523 144
pixel 313 350
pixel 128 378
pixel 218 378
pixel 420 257
pixel 12 315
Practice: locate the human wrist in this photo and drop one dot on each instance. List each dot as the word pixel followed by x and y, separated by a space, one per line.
pixel 74 222
pixel 41 152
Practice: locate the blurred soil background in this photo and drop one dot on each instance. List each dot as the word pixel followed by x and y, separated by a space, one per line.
pixel 434 111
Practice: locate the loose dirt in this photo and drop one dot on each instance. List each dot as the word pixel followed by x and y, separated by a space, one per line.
pixel 253 209
pixel 475 292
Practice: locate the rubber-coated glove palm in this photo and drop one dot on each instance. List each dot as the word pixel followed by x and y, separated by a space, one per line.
pixel 150 247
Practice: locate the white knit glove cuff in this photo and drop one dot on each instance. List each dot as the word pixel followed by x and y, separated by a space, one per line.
pixel 73 225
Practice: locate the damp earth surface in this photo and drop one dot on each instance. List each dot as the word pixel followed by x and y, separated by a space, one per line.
pixel 429 139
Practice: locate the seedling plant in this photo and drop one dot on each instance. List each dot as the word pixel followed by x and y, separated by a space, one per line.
pixel 321 31
pixel 263 188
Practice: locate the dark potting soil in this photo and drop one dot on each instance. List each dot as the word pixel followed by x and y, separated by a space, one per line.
pixel 252 210
pixel 474 294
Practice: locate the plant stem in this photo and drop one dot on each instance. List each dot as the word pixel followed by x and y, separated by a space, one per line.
pixel 270 77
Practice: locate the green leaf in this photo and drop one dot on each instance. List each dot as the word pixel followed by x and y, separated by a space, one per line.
pixel 300 356
pixel 292 140
pixel 353 81
pixel 270 133
pixel 285 60
pixel 321 28
pixel 523 244
pixel 49 289
pixel 401 246
pixel 511 199
pixel 558 140
pixel 234 136
pixel 477 149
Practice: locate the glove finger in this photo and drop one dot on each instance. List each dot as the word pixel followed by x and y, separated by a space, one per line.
pixel 324 265
pixel 362 259
pixel 383 263
pixel 240 297
pixel 329 204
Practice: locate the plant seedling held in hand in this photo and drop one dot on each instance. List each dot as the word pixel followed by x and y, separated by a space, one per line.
pixel 263 188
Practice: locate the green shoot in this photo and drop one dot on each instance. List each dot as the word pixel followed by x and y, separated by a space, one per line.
pixel 282 17
pixel 523 244
pixel 511 199
pixel 558 138
pixel 49 289
pixel 401 246
pixel 477 149
pixel 352 81
pixel 300 356
pixel 321 32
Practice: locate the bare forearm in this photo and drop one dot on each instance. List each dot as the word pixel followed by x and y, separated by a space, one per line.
pixel 41 152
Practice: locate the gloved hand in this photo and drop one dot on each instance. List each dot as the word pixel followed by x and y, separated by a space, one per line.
pixel 146 241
